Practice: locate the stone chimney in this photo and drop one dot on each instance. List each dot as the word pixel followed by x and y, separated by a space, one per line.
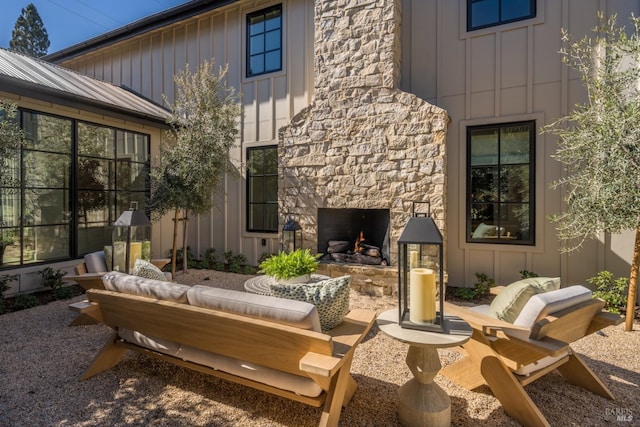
pixel 362 143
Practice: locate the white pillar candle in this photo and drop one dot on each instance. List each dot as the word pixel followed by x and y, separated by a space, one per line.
pixel 135 252
pixel 422 297
pixel 119 255
pixel 413 259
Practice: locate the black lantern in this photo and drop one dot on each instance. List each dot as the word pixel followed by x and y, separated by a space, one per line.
pixel 421 274
pixel 291 234
pixel 131 239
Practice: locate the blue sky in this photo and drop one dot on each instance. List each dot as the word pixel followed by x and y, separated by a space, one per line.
pixel 72 21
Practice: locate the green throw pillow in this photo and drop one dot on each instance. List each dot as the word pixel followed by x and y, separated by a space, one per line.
pixel 508 304
pixel 147 270
pixel 331 298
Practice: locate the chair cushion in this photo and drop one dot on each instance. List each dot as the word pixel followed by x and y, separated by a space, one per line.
pixel 134 285
pixel 96 262
pixel 330 296
pixel 293 313
pixel 145 269
pixel 508 303
pixel 543 304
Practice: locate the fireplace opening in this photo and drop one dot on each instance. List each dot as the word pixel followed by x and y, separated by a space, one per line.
pixel 358 236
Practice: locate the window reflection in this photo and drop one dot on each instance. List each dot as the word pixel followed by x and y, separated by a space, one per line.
pixel 36 211
pixel 500 183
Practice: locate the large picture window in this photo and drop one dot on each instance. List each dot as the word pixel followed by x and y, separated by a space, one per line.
pixel 262 189
pixel 264 41
pixel 488 13
pixel 71 181
pixel 500 183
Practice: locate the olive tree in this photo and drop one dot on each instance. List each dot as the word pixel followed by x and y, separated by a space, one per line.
pixel 196 155
pixel 11 139
pixel 599 141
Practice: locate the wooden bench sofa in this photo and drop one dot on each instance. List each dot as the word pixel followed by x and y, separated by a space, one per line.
pixel 267 343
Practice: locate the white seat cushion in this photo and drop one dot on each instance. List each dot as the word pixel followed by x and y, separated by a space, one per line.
pixel 283 380
pixel 541 305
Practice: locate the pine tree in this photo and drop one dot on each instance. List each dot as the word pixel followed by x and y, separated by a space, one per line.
pixel 29 35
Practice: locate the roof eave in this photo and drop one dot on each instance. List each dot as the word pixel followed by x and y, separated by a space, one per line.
pixel 139 27
pixel 54 96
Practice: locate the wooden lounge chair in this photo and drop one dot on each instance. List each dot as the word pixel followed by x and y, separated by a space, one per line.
pixel 507 357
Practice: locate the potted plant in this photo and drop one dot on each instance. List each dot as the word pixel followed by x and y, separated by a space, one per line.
pixel 292 267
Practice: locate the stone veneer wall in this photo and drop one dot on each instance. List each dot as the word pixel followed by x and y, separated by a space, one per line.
pixel 363 143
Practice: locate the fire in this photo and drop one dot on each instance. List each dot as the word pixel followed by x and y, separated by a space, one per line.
pixel 356 247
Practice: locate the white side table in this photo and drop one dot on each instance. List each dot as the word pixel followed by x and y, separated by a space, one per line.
pixel 422 402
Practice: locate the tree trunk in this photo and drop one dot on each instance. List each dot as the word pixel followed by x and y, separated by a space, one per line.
pixel 185 239
pixel 175 243
pixel 633 283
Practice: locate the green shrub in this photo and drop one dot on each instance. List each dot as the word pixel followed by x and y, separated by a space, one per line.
pixel 287 265
pixel 4 287
pixel 613 292
pixel 210 259
pixel 480 289
pixel 525 274
pixel 53 279
pixel 24 301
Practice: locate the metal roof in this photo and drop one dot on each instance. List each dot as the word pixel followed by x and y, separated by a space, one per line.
pixel 23 75
pixel 141 26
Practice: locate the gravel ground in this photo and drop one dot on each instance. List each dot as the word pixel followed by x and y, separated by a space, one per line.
pixel 42 359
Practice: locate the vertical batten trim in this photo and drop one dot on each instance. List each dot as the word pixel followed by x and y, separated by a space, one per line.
pixel 530 39
pixel 497 89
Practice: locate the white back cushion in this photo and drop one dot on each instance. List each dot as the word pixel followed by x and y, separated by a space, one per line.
pixel 294 313
pixel 541 305
pixel 96 262
pixel 134 285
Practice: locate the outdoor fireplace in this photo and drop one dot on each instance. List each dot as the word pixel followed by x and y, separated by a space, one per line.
pixel 359 236
pixel 363 146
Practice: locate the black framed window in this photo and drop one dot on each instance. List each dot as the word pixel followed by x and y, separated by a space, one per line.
pixel 488 13
pixel 501 183
pixel 264 41
pixel 70 182
pixel 262 189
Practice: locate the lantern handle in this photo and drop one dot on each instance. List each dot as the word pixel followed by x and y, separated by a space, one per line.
pixel 133 206
pixel 421 214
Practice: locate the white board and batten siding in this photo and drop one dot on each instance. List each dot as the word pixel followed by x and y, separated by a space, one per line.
pixel 501 74
pixel 147 64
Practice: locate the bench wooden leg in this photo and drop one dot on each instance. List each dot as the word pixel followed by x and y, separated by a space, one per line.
pixel 577 373
pixel 83 319
pixel 512 396
pixel 108 357
pixel 340 387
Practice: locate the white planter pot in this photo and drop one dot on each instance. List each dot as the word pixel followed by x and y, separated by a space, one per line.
pixel 305 278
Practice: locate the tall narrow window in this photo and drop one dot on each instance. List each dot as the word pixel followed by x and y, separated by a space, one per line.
pixel 487 13
pixel 264 41
pixel 262 189
pixel 500 183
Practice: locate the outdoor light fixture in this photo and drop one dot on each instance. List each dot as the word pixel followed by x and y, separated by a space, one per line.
pixel 131 239
pixel 421 274
pixel 291 234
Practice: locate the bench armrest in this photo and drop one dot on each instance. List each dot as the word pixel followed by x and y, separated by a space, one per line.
pixel 320 364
